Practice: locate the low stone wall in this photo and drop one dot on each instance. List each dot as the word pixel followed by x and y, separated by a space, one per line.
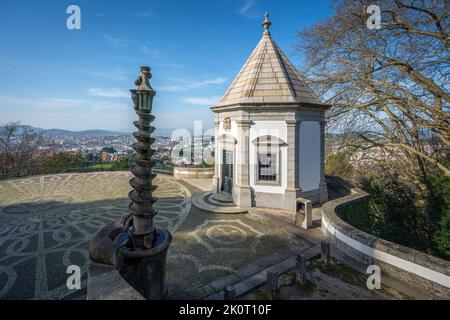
pixel 425 272
pixel 193 173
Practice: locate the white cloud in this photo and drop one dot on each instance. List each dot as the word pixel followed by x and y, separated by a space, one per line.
pixel 58 103
pixel 202 101
pixel 212 81
pixel 168 65
pixel 190 85
pixel 115 42
pixel 115 73
pixel 144 49
pixel 145 13
pixel 249 9
pixel 109 93
pixel 247 5
pixel 152 52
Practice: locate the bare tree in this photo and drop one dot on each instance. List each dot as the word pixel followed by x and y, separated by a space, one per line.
pixel 389 87
pixel 27 151
pixel 18 147
pixel 7 133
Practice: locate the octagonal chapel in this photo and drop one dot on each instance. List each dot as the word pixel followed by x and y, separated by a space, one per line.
pixel 269 134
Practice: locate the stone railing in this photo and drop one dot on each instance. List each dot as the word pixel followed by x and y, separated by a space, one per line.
pixel 193 173
pixel 163 171
pixel 425 272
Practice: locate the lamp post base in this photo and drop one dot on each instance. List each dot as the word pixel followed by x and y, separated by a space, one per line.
pixel 145 270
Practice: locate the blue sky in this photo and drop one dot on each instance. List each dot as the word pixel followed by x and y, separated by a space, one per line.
pixel 52 77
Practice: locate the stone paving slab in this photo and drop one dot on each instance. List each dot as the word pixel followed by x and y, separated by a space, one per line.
pixel 202 184
pixel 285 221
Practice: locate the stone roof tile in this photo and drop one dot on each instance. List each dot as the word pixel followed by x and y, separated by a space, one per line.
pixel 268 76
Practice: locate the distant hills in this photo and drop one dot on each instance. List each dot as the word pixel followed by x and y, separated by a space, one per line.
pixel 62 132
pixel 92 132
pixel 162 132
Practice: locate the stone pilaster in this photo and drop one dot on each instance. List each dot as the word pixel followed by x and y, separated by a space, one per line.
pixel 216 177
pixel 293 174
pixel 241 190
pixel 323 193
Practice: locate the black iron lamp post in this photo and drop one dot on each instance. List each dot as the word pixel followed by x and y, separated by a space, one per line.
pixel 142 248
pixel 134 245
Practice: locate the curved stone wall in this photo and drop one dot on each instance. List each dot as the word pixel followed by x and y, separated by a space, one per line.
pixel 193 173
pixel 428 273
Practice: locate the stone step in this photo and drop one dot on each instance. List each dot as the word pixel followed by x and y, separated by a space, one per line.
pixel 224 197
pixel 200 201
pixel 210 200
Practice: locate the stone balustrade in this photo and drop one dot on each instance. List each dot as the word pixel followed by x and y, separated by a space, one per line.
pixel 193 173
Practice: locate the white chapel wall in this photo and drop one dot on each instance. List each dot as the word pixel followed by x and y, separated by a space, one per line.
pixel 309 137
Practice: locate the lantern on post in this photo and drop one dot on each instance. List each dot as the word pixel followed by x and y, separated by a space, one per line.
pixel 142 247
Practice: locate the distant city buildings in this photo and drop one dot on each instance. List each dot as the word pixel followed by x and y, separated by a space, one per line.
pixel 106 149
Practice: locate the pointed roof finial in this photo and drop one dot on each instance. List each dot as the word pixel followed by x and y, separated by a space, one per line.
pixel 266 23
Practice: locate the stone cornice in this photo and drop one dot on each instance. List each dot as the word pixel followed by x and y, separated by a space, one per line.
pixel 293 123
pixel 272 106
pixel 244 123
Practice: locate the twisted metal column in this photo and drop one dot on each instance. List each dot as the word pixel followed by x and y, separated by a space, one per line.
pixel 142 199
pixel 141 247
pixel 134 245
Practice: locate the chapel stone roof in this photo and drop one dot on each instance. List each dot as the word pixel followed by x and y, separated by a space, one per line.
pixel 268 77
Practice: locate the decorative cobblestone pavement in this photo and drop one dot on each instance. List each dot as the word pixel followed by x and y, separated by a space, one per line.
pixel 46 223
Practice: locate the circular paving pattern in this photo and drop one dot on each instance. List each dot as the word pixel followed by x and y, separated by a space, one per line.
pixel 226 234
pixel 46 223
pixel 230 235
